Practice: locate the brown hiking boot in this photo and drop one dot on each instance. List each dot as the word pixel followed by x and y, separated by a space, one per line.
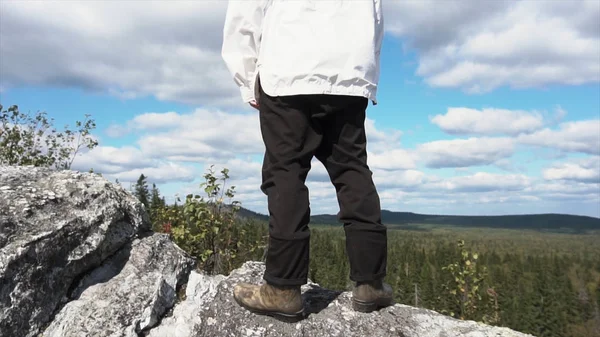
pixel 370 296
pixel 281 302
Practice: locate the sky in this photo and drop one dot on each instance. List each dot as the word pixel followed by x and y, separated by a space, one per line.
pixel 484 107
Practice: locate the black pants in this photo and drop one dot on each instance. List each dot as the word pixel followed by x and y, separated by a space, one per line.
pixel 330 128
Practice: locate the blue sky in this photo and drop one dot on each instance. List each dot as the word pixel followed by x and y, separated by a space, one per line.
pixel 487 110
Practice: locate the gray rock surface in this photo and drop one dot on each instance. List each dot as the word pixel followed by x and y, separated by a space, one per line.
pixel 54 227
pixel 331 314
pixel 126 295
pixel 187 315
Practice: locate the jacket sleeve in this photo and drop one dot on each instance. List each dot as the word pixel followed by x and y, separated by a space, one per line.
pixel 379 20
pixel 241 42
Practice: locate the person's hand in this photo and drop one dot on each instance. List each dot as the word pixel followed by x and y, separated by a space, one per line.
pixel 253 104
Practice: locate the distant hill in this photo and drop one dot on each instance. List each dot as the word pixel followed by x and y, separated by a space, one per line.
pixel 540 222
pixel 246 213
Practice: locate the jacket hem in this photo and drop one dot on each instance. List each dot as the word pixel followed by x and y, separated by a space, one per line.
pixel 313 89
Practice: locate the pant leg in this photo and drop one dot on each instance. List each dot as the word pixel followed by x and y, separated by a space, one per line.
pixel 290 143
pixel 344 154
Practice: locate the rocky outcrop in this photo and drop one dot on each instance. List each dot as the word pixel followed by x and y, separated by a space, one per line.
pixel 58 226
pixel 330 314
pixel 128 294
pixel 77 258
pixel 186 318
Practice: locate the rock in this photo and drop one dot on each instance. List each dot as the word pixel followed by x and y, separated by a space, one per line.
pixel 55 226
pixel 200 291
pixel 330 314
pixel 126 295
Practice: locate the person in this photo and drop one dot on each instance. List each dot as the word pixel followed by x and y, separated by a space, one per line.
pixel 311 67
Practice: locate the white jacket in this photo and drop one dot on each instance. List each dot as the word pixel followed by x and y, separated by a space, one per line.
pixel 304 46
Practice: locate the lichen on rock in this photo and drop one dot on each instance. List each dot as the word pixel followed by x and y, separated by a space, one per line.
pixel 54 227
pixel 126 295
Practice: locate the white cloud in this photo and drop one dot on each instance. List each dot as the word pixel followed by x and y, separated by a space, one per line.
pixel 490 121
pixel 568 191
pixel 578 136
pixel 379 140
pixel 479 46
pixel 199 136
pixel 156 121
pixel 585 170
pixel 129 49
pixel 317 172
pixel 205 135
pixel 384 149
pixel 116 131
pixel 392 160
pixel 159 174
pixel 239 168
pixel 110 159
pixel 403 179
pixel 322 191
pixel 127 163
pixel 465 152
pixel 481 182
pixel 171 50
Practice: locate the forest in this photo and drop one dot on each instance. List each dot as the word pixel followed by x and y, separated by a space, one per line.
pixel 539 283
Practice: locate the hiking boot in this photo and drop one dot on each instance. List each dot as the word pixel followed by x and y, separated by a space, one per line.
pixel 370 296
pixel 281 302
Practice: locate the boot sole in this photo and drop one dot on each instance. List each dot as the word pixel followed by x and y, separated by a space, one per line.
pixel 282 316
pixel 367 307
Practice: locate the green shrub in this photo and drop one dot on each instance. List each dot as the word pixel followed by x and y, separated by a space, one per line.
pixel 467 289
pixel 208 227
pixel 32 140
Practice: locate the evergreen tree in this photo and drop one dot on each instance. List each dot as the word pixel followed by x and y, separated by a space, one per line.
pixel 141 191
pixel 156 203
pixel 155 200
